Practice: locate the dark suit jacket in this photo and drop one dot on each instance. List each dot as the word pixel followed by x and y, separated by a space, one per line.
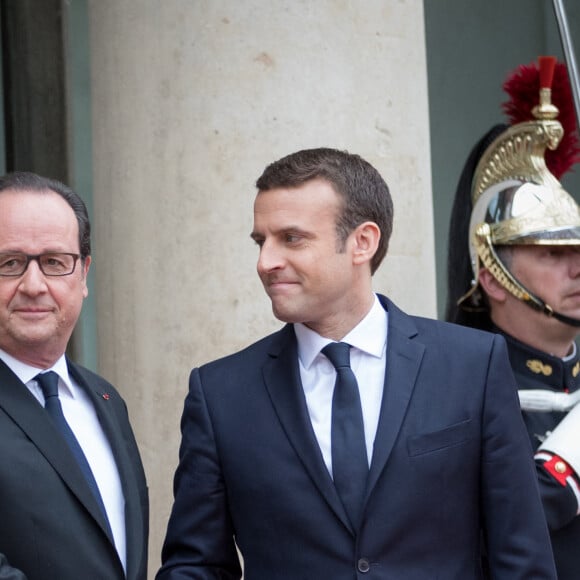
pixel 451 468
pixel 9 573
pixel 51 527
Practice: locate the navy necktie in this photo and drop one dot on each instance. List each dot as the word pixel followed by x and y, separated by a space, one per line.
pixel 49 384
pixel 349 452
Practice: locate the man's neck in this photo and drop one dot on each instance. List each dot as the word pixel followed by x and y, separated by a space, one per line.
pixel 554 338
pixel 337 327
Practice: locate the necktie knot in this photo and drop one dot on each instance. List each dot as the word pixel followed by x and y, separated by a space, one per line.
pixel 338 353
pixel 48 383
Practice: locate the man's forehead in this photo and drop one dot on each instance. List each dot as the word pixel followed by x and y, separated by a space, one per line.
pixel 13 192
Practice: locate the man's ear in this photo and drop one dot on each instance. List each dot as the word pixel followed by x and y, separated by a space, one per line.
pixel 365 240
pixel 493 289
pixel 86 263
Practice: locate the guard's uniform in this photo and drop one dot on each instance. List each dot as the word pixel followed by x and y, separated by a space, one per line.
pixel 559 485
pixel 509 195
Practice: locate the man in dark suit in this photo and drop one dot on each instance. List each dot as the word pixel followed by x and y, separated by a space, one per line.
pixel 273 436
pixel 73 494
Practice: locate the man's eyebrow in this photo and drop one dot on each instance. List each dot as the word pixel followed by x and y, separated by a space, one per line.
pixel 285 230
pixel 299 230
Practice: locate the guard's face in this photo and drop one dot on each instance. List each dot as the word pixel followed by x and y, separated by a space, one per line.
pixel 305 271
pixel 552 273
pixel 38 312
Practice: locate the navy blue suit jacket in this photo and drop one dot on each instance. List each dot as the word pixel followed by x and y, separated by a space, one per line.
pixel 51 527
pixel 451 469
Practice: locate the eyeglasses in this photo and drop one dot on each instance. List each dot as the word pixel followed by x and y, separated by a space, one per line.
pixel 50 263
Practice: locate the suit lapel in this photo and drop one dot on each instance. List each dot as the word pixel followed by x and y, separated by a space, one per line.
pixel 282 378
pixel 29 415
pixel 403 360
pixel 103 404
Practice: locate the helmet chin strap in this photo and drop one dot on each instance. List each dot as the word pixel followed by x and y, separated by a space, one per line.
pixel 566 319
pixel 533 301
pixel 538 304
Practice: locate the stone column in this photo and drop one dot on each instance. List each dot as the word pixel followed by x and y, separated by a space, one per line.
pixel 191 100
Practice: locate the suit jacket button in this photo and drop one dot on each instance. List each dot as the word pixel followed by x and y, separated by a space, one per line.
pixel 363 565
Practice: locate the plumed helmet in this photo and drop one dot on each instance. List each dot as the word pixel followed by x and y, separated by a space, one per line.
pixel 515 197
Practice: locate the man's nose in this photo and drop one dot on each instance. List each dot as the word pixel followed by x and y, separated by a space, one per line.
pixel 33 281
pixel 270 258
pixel 574 261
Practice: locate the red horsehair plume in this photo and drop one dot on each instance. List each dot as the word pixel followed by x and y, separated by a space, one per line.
pixel 523 87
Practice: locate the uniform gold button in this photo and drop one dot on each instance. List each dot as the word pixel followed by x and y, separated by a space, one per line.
pixel 560 466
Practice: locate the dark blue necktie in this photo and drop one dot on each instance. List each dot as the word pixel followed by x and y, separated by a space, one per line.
pixel 49 384
pixel 349 453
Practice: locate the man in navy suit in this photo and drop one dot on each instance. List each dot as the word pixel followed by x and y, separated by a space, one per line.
pixel 446 469
pixel 65 514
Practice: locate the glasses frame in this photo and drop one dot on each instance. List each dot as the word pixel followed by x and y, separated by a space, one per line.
pixel 36 258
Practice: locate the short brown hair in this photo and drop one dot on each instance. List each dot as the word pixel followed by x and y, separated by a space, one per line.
pixel 365 193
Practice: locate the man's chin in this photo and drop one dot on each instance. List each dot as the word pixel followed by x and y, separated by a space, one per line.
pixel 285 314
pixel 567 330
pixel 33 334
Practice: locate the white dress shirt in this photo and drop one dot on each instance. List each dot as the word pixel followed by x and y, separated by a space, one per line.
pixel 82 418
pixel 367 358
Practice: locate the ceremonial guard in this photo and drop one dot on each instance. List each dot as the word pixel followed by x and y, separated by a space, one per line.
pixel 514 268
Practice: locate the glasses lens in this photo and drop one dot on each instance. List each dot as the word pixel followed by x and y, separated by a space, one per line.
pixel 57 264
pixel 12 264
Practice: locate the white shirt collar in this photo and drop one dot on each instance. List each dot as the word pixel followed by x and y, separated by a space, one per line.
pixel 369 336
pixel 26 372
pixel 572 354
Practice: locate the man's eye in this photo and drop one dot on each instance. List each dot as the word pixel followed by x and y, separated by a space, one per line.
pixel 57 264
pixel 51 261
pixel 292 238
pixel 8 262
